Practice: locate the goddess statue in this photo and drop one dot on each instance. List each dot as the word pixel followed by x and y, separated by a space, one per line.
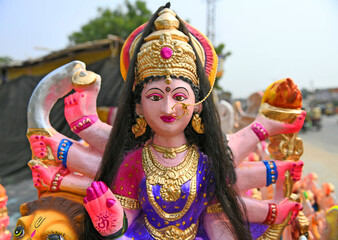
pixel 167 171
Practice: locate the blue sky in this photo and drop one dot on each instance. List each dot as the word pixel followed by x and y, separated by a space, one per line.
pixel 269 40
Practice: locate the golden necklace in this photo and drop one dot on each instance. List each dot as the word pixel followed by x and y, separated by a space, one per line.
pixel 170 178
pixel 170 152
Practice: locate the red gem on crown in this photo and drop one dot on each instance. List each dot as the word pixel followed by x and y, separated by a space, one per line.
pixel 166 53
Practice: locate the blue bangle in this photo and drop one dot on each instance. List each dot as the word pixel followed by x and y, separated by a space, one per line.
pixel 63 151
pixel 271 172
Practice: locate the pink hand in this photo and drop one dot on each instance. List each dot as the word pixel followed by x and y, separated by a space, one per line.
pixel 82 102
pixel 285 207
pixel 39 144
pixel 104 209
pixel 295 169
pixel 275 127
pixel 43 177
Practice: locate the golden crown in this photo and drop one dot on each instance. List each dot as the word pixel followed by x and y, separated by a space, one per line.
pixel 166 51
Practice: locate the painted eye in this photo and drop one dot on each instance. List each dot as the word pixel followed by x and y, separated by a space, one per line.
pixel 155 97
pixel 19 231
pixel 179 97
pixel 54 237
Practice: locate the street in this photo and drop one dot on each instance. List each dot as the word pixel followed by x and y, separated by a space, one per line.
pixel 321 151
pixel 320 156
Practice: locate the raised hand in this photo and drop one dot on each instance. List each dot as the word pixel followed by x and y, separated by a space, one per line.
pixel 43 176
pixel 83 102
pixel 104 209
pixel 285 207
pixel 295 169
pixel 40 144
pixel 275 127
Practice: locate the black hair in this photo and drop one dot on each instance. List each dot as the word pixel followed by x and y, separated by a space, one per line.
pixel 211 143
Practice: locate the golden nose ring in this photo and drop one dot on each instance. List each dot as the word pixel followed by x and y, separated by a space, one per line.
pixel 185 110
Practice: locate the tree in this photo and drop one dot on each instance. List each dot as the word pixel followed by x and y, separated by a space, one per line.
pixel 305 93
pixel 116 22
pixel 5 60
pixel 221 58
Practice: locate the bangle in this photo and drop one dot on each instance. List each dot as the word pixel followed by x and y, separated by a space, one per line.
pixel 58 178
pixel 260 131
pixel 272 214
pixel 271 172
pixel 83 123
pixel 63 151
pixel 120 232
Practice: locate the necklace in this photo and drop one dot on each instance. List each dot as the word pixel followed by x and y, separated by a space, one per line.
pixel 170 152
pixel 170 178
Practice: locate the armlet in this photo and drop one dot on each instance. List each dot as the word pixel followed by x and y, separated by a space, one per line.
pixel 215 208
pixel 128 203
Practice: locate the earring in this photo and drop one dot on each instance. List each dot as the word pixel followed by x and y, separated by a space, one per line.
pixel 140 127
pixel 197 123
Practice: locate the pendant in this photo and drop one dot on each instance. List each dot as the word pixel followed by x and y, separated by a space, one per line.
pixel 170 153
pixel 170 192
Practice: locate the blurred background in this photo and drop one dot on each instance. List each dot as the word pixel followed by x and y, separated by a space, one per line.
pixel 258 42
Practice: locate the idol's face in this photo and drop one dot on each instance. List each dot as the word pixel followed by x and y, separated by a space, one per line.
pixel 44 225
pixel 158 100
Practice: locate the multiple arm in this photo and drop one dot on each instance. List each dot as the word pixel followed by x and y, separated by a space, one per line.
pixel 106 212
pixel 258 171
pixel 245 141
pixel 78 157
pixel 242 143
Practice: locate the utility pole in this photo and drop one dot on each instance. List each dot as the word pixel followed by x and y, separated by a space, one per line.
pixel 211 15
